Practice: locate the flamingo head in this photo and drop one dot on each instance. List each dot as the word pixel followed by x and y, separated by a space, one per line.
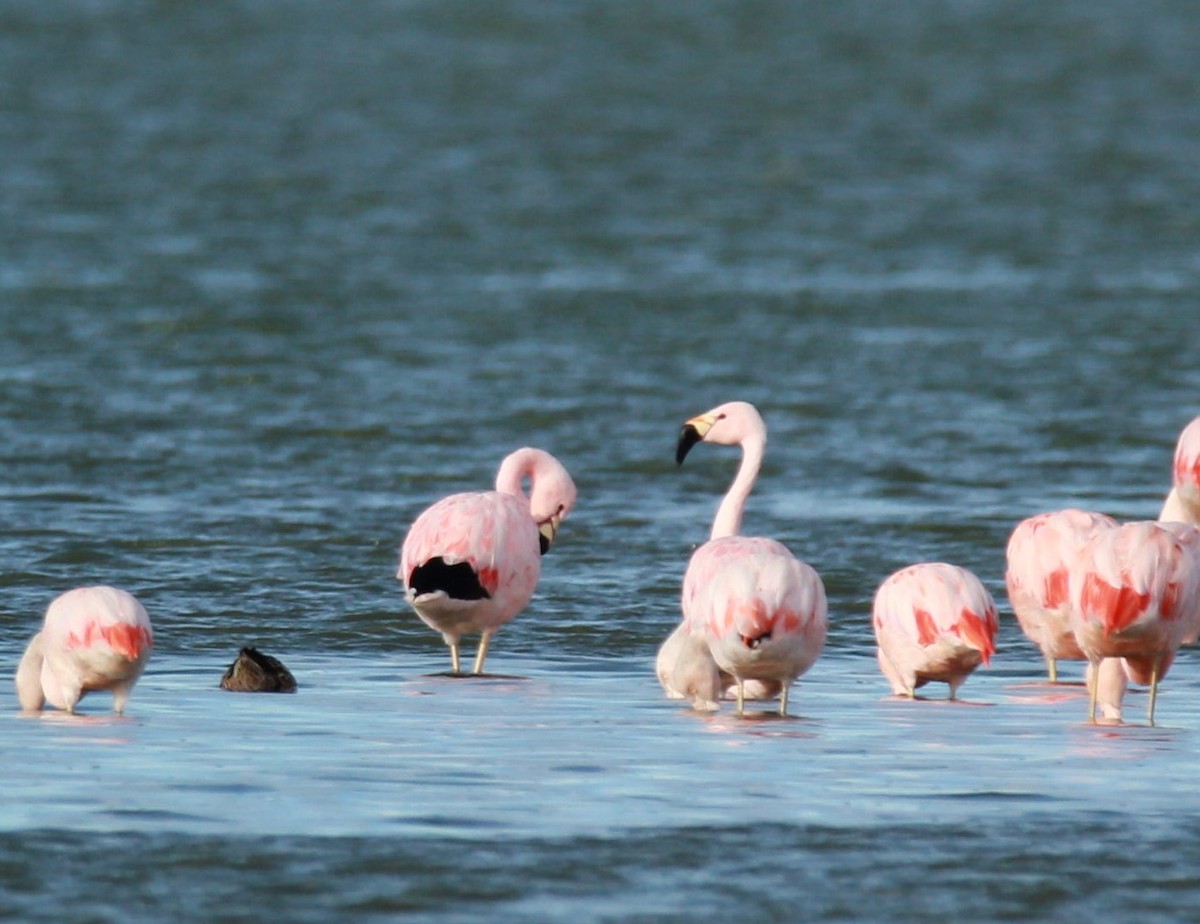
pixel 726 425
pixel 551 502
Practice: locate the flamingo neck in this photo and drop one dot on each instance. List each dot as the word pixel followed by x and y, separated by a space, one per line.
pixel 29 676
pixel 728 521
pixel 515 468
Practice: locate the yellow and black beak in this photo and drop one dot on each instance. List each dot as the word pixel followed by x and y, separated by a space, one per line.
pixel 547 530
pixel 692 433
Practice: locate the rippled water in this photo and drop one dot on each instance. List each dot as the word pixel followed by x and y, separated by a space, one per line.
pixel 275 276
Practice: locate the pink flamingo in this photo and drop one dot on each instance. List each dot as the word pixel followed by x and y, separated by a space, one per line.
pixel 470 562
pixel 93 638
pixel 761 610
pixel 686 668
pixel 1134 595
pixel 933 621
pixel 1041 551
pixel 1183 502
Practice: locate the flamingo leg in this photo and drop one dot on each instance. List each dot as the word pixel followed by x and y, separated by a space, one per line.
pixel 783 698
pixel 1093 688
pixel 481 654
pixel 1052 669
pixel 1153 693
pixel 454 668
pixel 741 697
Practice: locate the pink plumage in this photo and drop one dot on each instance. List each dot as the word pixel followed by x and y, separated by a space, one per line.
pixel 1134 596
pixel 471 562
pixel 1041 551
pixel 93 638
pixel 762 612
pixel 1183 502
pixel 933 621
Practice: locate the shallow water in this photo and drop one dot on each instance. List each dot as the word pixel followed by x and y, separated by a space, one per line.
pixel 273 277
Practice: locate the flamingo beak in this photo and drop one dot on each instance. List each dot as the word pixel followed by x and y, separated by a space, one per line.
pixel 692 433
pixel 547 530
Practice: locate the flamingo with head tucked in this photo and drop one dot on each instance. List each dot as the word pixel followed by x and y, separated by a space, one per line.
pixel 1183 502
pixel 471 561
pixel 686 669
pixel 1134 596
pixel 762 612
pixel 933 621
pixel 93 638
pixel 1041 552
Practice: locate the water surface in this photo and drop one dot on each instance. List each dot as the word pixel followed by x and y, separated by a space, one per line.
pixel 274 277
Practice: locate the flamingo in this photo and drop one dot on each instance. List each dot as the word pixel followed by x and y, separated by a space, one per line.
pixel 1041 550
pixel 933 621
pixel 471 561
pixel 1134 594
pixel 686 668
pixel 1183 501
pixel 93 638
pixel 1113 673
pixel 762 611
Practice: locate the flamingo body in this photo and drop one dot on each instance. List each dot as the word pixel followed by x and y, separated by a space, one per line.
pixel 92 638
pixel 1189 540
pixel 471 562
pixel 933 621
pixel 1134 596
pixel 762 612
pixel 1183 502
pixel 1040 554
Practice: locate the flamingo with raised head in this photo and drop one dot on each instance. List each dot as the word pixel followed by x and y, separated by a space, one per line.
pixel 471 562
pixel 933 621
pixel 1183 501
pixel 1134 596
pixel 762 611
pixel 93 638
pixel 1041 552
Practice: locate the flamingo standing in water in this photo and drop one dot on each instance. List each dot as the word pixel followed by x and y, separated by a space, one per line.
pixel 686 668
pixel 1183 502
pixel 1134 595
pixel 93 638
pixel 1113 673
pixel 762 611
pixel 470 562
pixel 1041 551
pixel 933 621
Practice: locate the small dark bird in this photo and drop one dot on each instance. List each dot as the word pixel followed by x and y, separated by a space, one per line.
pixel 255 672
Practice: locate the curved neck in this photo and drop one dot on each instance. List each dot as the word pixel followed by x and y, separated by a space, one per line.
pixel 515 468
pixel 29 677
pixel 728 521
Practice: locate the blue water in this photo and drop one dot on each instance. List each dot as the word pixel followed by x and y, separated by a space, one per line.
pixel 276 276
